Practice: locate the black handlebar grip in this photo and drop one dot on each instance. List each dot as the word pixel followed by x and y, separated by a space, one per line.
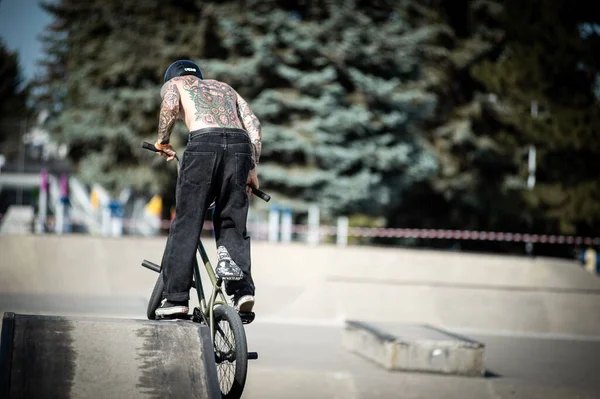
pixel 151 265
pixel 260 194
pixel 149 146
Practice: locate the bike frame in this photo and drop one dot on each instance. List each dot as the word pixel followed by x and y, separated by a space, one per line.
pixel 217 297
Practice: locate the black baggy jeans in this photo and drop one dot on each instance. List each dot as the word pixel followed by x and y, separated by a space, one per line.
pixel 214 166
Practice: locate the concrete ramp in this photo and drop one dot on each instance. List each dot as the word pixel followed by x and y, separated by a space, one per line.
pixel 58 357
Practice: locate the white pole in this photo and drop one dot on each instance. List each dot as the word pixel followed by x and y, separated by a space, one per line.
pixel 286 226
pixel 59 225
pixel 273 224
pixel 106 228
pixel 116 218
pixel 21 161
pixel 531 164
pixel 43 202
pixel 533 108
pixel 342 231
pixel 313 225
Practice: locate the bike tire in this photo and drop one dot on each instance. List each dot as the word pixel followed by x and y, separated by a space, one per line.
pixel 155 297
pixel 240 351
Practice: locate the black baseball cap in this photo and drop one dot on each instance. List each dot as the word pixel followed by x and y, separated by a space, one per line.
pixel 182 68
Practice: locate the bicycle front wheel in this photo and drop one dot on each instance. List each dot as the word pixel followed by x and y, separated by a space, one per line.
pixel 231 351
pixel 155 297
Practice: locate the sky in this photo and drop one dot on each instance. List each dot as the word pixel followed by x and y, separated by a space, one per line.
pixel 21 24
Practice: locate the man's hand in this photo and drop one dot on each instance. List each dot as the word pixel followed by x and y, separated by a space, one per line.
pixel 166 150
pixel 252 180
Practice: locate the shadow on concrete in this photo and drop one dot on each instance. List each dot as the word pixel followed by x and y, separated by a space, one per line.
pixel 491 374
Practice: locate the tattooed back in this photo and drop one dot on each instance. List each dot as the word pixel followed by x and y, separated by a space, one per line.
pixel 207 103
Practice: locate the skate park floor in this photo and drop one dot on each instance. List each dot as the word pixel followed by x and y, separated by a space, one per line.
pixel 539 320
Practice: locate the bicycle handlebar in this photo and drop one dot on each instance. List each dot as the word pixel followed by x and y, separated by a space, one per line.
pixel 260 194
pixel 151 147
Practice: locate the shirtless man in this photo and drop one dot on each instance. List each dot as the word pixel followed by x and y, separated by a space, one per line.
pixel 219 161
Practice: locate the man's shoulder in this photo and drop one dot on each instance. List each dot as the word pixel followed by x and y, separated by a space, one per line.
pixel 217 83
pixel 208 83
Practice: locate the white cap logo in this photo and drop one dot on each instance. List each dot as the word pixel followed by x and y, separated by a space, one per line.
pixel 190 69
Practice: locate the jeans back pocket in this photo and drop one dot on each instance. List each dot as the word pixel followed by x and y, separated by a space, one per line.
pixel 198 167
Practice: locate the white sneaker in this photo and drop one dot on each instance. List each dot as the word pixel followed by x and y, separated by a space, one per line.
pixel 244 304
pixel 170 310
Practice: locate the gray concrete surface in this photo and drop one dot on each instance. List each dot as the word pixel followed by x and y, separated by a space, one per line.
pixel 414 347
pixel 302 361
pixel 57 357
pixel 307 361
pixel 323 283
pixel 539 319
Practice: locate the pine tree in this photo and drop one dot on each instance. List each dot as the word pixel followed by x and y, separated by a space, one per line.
pixel 104 67
pixel 343 94
pixel 13 106
pixel 550 63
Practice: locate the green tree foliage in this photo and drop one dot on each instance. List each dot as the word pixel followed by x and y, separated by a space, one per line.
pixel 13 107
pixel 414 112
pixel 333 87
pixel 339 91
pixel 551 60
pixel 474 186
pixel 104 68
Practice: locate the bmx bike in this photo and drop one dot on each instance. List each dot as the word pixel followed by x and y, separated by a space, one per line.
pixel 225 323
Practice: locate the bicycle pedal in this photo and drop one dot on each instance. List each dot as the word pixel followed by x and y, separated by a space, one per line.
pixel 252 355
pixel 197 316
pixel 247 317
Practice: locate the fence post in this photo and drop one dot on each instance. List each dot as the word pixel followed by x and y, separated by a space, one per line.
pixel 43 202
pixel 313 225
pixel 63 224
pixel 106 220
pixel 116 218
pixel 342 231
pixel 286 226
pixel 273 224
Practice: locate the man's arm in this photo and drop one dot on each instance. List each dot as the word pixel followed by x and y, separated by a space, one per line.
pixel 169 111
pixel 252 126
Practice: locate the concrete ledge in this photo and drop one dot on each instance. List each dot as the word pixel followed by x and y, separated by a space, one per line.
pixel 59 357
pixel 420 348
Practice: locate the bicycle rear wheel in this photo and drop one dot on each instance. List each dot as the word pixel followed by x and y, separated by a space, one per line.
pixel 155 297
pixel 231 352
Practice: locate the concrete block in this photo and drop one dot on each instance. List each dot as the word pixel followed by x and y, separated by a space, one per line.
pixel 59 357
pixel 420 348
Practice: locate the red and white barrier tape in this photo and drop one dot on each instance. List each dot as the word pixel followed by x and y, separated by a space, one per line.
pixel 453 234
pixel 263 228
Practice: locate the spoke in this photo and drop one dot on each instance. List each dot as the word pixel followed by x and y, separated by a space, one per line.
pixel 223 335
pixel 225 345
